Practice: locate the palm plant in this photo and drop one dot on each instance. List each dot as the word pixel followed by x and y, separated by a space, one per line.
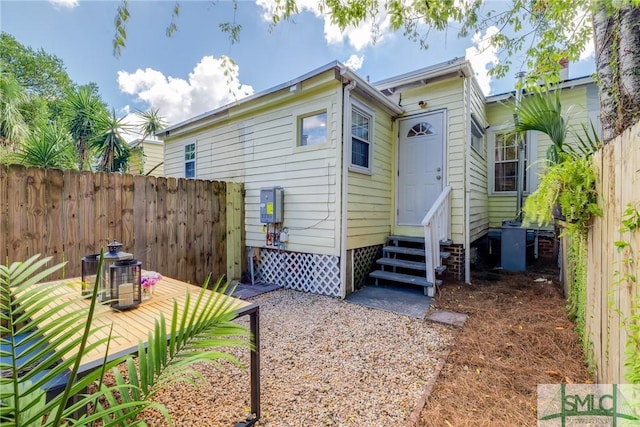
pixel 112 149
pixel 48 147
pixel 83 109
pixel 542 112
pixel 151 122
pixel 29 363
pixel 13 127
pixel 566 191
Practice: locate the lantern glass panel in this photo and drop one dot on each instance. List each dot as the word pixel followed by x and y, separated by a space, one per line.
pixel 125 284
pixel 89 273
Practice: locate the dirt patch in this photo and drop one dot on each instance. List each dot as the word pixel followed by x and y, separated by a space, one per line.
pixel 516 337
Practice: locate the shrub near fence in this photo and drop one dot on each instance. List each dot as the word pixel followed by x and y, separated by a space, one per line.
pixel 613 262
pixel 182 228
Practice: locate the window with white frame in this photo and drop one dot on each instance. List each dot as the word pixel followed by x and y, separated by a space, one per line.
pixel 361 138
pixel 190 160
pixel 477 137
pixel 312 129
pixel 505 162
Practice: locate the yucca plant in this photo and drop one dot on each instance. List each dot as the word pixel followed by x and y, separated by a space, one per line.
pixel 30 363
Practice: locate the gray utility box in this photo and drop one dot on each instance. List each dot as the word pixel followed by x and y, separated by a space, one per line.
pixel 514 246
pixel 271 205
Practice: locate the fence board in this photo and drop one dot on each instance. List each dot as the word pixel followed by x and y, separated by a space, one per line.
pixel 198 236
pixel 611 300
pixel 192 258
pixel 35 211
pixel 139 245
pixel 127 216
pixel 219 228
pixel 150 223
pixel 70 217
pixel 17 221
pixel 181 221
pixel 175 226
pixel 171 201
pixel 234 247
pixel 87 205
pixel 54 219
pixel 161 232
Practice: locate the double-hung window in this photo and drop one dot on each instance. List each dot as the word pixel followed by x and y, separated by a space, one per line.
pixel 190 160
pixel 361 139
pixel 505 159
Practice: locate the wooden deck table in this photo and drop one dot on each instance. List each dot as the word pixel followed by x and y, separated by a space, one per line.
pixel 132 326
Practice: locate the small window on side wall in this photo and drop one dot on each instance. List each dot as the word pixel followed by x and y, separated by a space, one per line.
pixel 312 129
pixel 477 137
pixel 190 160
pixel 361 140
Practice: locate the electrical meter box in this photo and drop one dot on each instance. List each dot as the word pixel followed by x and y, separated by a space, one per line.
pixel 271 205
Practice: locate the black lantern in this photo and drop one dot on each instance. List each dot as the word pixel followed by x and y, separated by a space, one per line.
pixel 113 255
pixel 89 273
pixel 125 278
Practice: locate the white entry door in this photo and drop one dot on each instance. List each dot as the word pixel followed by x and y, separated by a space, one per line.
pixel 420 168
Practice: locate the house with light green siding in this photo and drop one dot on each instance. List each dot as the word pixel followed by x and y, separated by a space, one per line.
pixel 391 181
pixel 147 157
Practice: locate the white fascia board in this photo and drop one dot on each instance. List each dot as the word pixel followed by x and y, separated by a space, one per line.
pixel 567 84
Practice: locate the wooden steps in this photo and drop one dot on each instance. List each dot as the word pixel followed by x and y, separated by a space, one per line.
pixel 403 261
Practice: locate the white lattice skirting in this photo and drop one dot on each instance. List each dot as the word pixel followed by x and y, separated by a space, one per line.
pixel 319 274
pixel 363 260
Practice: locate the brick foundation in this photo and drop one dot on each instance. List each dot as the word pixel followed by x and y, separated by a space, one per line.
pixel 547 247
pixel 455 263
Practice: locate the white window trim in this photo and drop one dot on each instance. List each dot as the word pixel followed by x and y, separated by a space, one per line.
pixel 367 111
pixel 476 124
pixel 306 111
pixel 532 156
pixel 184 161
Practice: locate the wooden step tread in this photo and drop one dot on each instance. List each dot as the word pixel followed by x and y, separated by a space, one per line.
pixel 411 239
pixel 403 250
pixel 441 269
pixel 394 262
pixel 403 278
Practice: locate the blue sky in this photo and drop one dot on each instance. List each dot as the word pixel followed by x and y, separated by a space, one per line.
pixel 182 76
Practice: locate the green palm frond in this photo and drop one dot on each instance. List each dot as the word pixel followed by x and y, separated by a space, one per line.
pixel 108 142
pixel 543 112
pixel 195 333
pixel 49 147
pixel 33 362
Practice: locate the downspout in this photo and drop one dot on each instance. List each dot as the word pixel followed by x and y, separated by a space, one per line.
pixel 467 191
pixel 346 108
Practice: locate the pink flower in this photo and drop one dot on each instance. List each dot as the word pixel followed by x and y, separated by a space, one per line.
pixel 150 279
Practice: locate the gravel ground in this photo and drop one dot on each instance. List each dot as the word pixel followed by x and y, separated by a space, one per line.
pixel 324 362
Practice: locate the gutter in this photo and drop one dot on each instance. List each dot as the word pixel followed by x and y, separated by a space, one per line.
pixel 346 107
pixel 369 91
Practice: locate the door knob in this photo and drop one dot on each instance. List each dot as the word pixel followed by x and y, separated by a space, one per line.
pixel 438 177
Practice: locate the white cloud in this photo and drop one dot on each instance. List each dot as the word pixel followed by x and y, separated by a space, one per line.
pixel 177 99
pixel 482 56
pixel 69 4
pixel 354 62
pixel 360 37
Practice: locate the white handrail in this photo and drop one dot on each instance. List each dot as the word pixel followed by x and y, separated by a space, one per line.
pixel 437 227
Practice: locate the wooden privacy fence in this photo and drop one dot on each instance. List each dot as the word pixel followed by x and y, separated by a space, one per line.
pixel 182 228
pixel 611 299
